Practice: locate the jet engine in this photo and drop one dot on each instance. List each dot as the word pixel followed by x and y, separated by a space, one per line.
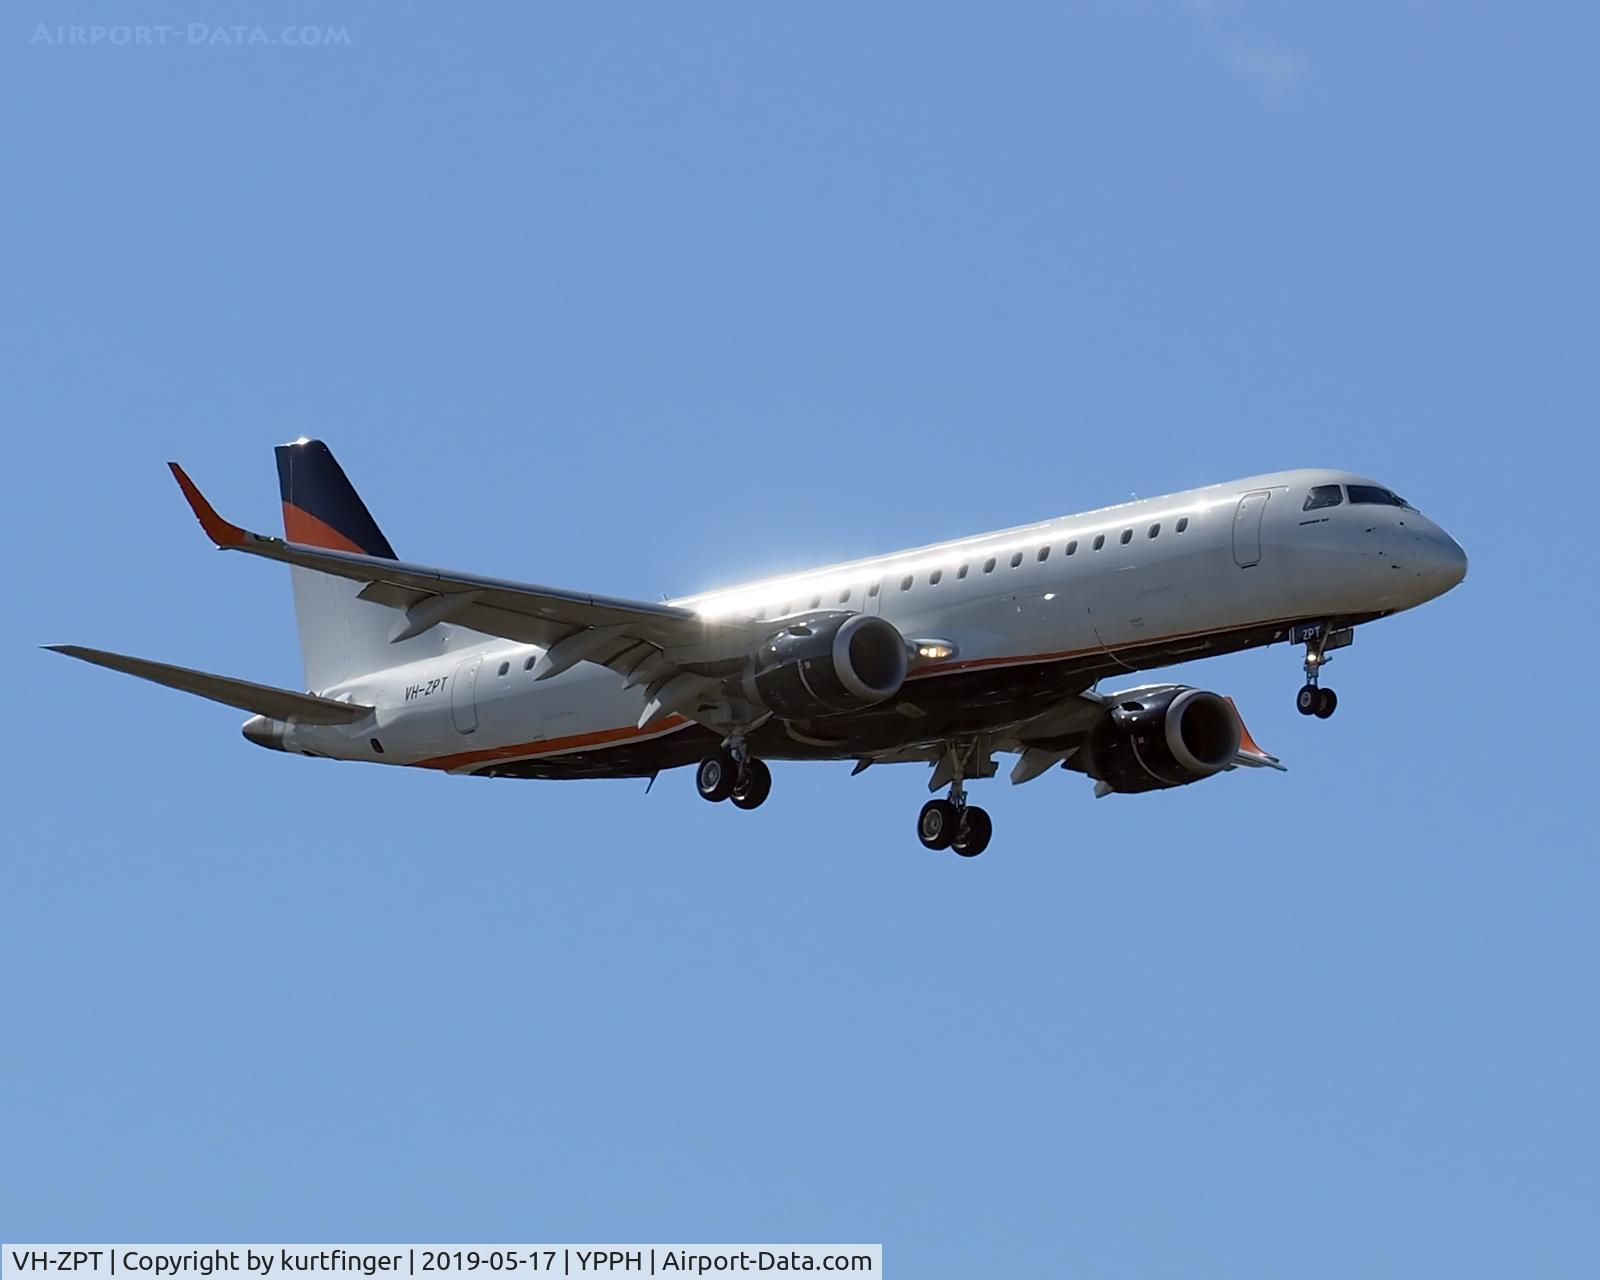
pixel 1163 736
pixel 827 663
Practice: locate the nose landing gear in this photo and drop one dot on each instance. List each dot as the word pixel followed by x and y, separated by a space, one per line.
pixel 1313 700
pixel 1319 637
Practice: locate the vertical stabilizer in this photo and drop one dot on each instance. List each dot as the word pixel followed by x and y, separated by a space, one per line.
pixel 341 635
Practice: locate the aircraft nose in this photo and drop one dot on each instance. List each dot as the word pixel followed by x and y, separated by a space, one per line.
pixel 1445 559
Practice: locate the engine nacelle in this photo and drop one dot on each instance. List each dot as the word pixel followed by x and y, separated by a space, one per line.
pixel 1165 736
pixel 827 663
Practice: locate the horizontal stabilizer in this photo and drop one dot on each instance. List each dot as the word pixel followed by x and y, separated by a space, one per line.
pixel 263 699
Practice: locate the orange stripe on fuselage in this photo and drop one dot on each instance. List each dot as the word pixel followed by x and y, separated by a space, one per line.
pixel 303 527
pixel 550 746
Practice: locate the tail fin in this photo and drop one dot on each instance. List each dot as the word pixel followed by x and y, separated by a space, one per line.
pixel 320 506
pixel 341 635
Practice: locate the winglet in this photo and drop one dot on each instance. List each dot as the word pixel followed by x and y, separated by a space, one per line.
pixel 1249 749
pixel 217 529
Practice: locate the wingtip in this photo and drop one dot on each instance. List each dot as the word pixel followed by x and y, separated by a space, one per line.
pixel 216 528
pixel 1245 739
pixel 1250 747
pixel 77 651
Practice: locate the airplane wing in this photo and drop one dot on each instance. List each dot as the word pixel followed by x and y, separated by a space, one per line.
pixel 263 699
pixel 650 643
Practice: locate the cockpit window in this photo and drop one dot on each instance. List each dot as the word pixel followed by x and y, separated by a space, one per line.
pixel 1323 495
pixel 1373 496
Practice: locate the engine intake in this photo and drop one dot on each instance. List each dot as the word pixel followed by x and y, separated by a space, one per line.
pixel 828 663
pixel 1167 736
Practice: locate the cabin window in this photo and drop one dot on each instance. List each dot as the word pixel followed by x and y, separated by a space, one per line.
pixel 505 667
pixel 1323 495
pixel 1099 541
pixel 905 583
pixel 1127 536
pixel 961 572
pixel 873 589
pixel 1155 529
pixel 844 596
pixel 935 577
pixel 1183 523
pixel 376 746
pixel 1044 553
pixel 1072 547
pixel 527 663
pixel 816 602
pixel 1372 495
pixel 988 565
pixel 1016 559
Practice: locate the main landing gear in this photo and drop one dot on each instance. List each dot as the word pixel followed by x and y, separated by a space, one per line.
pixel 955 824
pixel 723 776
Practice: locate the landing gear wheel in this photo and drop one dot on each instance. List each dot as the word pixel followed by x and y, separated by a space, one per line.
pixel 717 775
pixel 937 824
pixel 753 786
pixel 974 832
pixel 1308 700
pixel 1327 701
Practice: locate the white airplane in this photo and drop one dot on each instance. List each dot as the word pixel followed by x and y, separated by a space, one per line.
pixel 945 654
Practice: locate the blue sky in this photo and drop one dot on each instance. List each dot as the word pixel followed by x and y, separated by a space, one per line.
pixel 647 299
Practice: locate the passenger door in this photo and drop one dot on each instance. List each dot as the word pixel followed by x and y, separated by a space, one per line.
pixel 1247 528
pixel 464 696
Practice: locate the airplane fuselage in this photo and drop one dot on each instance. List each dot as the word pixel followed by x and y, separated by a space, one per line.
pixel 1008 624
